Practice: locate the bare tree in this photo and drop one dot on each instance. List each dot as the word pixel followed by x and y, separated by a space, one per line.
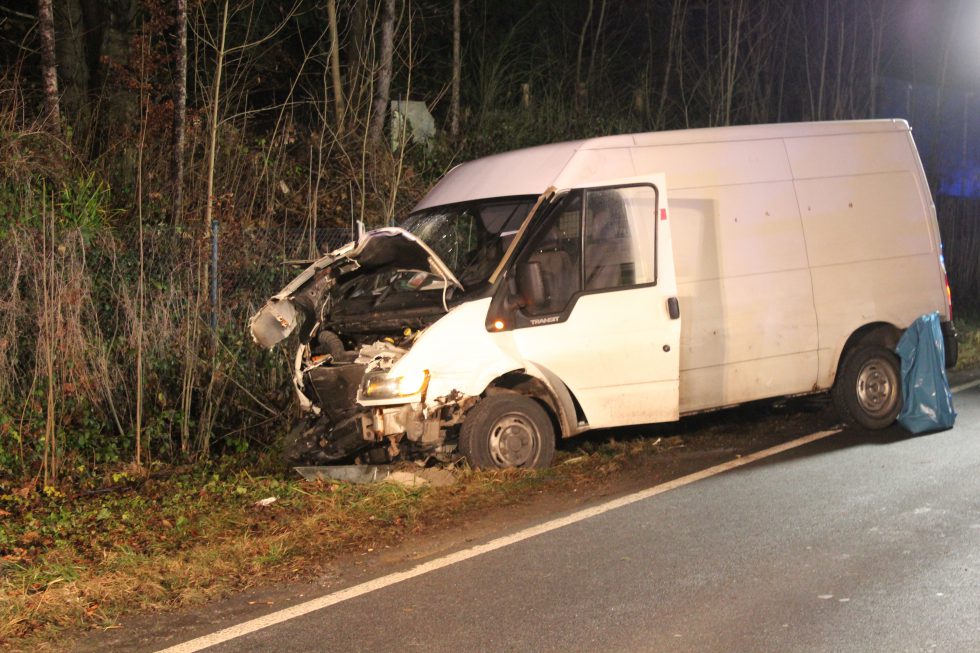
pixel 579 83
pixel 180 110
pixel 731 34
pixel 675 41
pixel 140 325
pixel 49 64
pixel 222 52
pixel 361 57
pixel 382 89
pixel 596 43
pixel 876 24
pixel 457 71
pixel 47 342
pixel 338 90
pixel 73 65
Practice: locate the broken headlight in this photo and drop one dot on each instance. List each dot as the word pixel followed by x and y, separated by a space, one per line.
pixel 381 385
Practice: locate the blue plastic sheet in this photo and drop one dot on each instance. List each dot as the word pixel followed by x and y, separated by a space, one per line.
pixel 927 403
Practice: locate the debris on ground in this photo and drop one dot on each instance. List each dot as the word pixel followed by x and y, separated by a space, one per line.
pixel 408 479
pixel 411 477
pixel 436 476
pixel 348 473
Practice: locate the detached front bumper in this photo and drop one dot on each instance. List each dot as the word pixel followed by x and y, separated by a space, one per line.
pixel 321 440
pixel 331 428
pixel 337 427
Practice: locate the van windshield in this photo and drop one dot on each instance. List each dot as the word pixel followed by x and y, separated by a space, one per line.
pixel 470 238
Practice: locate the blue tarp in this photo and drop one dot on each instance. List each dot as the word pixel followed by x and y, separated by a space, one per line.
pixel 927 403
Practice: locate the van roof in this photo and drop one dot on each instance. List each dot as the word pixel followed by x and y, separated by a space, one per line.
pixel 532 170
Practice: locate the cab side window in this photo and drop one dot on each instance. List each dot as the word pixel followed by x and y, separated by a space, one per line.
pixel 620 225
pixel 608 245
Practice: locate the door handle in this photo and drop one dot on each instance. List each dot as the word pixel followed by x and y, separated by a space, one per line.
pixel 673 308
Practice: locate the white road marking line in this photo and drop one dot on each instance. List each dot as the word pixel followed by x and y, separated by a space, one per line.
pixel 253 625
pixel 966 386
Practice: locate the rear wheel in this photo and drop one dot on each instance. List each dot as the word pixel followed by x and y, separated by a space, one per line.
pixel 868 390
pixel 507 430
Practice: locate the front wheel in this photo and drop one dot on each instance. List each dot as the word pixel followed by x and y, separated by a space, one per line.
pixel 868 390
pixel 507 430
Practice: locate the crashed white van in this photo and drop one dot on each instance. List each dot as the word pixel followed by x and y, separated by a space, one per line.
pixel 619 280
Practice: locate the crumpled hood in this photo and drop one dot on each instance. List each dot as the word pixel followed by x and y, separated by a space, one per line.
pixel 385 247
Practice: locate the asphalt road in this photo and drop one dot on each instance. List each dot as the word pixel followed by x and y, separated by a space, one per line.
pixel 856 542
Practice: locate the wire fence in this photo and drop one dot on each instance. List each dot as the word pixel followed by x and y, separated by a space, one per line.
pixel 245 264
pixel 252 264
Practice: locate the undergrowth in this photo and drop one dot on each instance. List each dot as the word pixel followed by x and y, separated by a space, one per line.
pixel 968 327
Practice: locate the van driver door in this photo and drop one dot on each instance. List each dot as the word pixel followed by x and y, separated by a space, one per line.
pixel 597 301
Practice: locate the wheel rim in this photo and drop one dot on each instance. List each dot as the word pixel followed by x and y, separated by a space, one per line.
pixel 514 441
pixel 877 387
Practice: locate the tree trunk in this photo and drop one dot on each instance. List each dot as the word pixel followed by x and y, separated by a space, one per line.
pixel 675 39
pixel 823 60
pixel 109 27
pixel 382 91
pixel 180 112
pixel 338 89
pixel 360 62
pixel 213 127
pixel 457 71
pixel 73 70
pixel 596 45
pixel 49 66
pixel 579 83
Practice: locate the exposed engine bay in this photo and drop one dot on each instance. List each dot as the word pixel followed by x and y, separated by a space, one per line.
pixel 359 309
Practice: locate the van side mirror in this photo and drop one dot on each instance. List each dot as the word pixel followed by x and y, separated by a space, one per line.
pixel 530 285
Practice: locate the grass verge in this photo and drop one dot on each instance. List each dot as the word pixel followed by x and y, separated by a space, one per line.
pixel 968 327
pixel 159 543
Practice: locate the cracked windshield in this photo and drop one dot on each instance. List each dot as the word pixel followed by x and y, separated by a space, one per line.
pixel 470 238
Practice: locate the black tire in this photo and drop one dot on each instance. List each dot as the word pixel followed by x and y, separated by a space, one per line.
pixel 507 430
pixel 868 390
pixel 331 342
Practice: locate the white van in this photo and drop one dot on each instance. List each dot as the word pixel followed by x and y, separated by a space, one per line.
pixel 621 280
